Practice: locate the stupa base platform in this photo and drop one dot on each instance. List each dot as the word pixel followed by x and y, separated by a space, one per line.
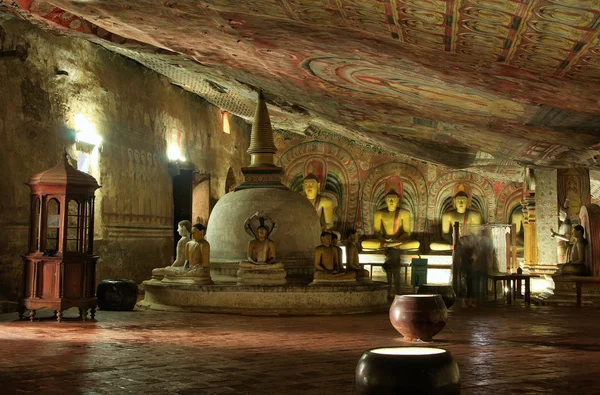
pixel 266 300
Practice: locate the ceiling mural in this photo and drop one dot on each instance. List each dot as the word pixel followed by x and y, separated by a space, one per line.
pixel 461 83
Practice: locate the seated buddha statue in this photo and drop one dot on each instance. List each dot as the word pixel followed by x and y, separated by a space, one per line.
pixel 327 262
pixel 197 255
pixel 261 250
pixel 391 226
pixel 577 264
pixel 261 267
pixel 462 214
pixel 184 229
pixel 352 262
pixel 325 206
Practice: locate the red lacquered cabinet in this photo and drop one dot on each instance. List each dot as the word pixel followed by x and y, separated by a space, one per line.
pixel 60 268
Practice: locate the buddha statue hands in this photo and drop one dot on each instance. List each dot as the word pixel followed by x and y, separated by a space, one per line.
pixel 391 226
pixel 261 250
pixel 325 206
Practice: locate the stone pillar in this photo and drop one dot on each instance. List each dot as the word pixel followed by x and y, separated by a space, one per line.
pixel 546 213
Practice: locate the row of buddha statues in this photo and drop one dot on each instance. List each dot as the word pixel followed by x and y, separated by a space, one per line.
pixel 392 224
pixel 191 265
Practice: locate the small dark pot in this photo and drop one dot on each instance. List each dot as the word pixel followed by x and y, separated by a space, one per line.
pixel 418 317
pixel 117 295
pixel 407 370
pixel 445 290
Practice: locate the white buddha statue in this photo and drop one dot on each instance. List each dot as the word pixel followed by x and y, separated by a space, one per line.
pixel 184 228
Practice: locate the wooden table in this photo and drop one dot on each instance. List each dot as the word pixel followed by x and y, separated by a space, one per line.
pixel 579 282
pixel 512 279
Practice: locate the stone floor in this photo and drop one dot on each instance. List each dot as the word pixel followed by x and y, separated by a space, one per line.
pixel 500 350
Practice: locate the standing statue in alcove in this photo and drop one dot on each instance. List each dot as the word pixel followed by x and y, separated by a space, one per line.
pixel 461 213
pixel 563 236
pixel 324 205
pixel 391 226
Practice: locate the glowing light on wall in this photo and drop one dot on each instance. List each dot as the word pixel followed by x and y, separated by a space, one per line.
pixel 86 130
pixel 225 122
pixel 174 153
pixel 174 147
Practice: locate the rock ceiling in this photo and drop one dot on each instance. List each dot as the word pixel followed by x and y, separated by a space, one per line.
pixel 461 83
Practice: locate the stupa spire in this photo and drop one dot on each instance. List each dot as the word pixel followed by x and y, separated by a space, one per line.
pixel 262 148
pixel 262 172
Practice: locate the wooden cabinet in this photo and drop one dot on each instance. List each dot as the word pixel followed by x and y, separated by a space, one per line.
pixel 60 268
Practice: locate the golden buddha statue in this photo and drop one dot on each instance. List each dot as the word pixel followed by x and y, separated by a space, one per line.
pixel 391 226
pixel 325 206
pixel 262 249
pixel 462 214
pixel 352 262
pixel 197 250
pixel 261 268
pixel 327 262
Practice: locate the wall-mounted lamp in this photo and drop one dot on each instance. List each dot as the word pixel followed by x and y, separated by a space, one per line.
pixel 225 122
pixel 85 130
pixel 174 153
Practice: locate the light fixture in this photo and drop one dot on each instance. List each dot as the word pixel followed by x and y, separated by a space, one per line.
pixel 174 153
pixel 225 122
pixel 86 130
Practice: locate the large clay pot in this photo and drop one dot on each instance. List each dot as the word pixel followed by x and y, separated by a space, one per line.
pixel 407 370
pixel 118 295
pixel 445 290
pixel 418 317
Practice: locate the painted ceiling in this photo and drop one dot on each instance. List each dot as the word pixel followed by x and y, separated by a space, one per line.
pixel 495 84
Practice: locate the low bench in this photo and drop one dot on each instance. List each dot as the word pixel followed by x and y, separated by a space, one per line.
pixel 579 282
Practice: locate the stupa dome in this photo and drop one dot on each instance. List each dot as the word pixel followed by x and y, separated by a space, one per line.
pixel 298 226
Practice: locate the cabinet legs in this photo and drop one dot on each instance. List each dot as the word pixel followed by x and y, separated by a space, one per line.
pixel 31 315
pixel 93 312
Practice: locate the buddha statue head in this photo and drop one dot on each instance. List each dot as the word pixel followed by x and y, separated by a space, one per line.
pixel 198 232
pixel 461 202
pixel 326 238
pixel 352 235
pixel 262 232
pixel 311 186
pixel 184 228
pixel 391 200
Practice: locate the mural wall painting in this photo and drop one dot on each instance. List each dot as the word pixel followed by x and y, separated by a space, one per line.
pixel 338 173
pixel 137 197
pixel 509 200
pixel 413 194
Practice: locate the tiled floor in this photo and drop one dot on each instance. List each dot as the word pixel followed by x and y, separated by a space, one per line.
pixel 499 349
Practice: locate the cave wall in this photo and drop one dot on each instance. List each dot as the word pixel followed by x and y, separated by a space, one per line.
pixel 137 112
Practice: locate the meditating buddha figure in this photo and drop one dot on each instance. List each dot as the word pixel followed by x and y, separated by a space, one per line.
pixel 184 229
pixel 391 226
pixel 197 250
pixel 327 262
pixel 261 250
pixel 462 214
pixel 577 264
pixel 261 267
pixel 325 206
pixel 197 255
pixel 352 261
